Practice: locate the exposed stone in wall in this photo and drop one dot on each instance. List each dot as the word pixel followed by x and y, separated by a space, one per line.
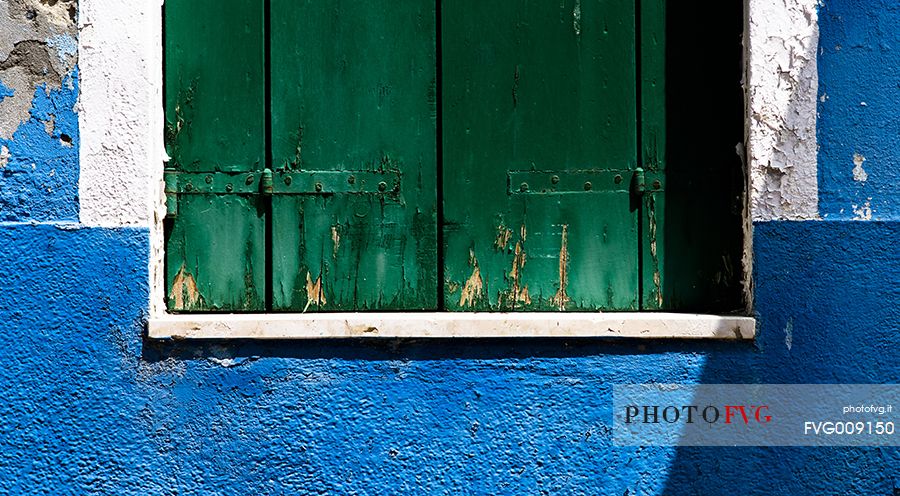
pixel 37 48
pixel 38 123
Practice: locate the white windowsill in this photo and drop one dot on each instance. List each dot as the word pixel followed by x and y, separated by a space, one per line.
pixel 451 325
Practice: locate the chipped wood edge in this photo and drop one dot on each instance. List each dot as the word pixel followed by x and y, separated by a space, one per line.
pixel 452 325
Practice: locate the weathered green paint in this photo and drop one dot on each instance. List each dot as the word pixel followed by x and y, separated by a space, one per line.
pixel 546 87
pixel 215 84
pixel 354 92
pixel 215 121
pixel 216 263
pixel 549 112
pixel 653 152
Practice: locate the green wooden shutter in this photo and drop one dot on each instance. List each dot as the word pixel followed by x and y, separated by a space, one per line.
pixel 553 139
pixel 654 294
pixel 215 136
pixel 353 131
pixel 540 150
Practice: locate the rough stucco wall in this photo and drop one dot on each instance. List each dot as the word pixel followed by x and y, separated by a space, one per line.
pixel 121 105
pixel 781 119
pixel 38 126
pixel 859 131
pixel 91 407
pixel 37 48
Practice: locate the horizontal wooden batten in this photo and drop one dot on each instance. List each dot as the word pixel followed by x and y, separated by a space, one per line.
pixel 452 325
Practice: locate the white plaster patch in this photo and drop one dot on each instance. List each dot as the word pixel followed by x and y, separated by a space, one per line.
pixel 789 334
pixel 863 212
pixel 120 52
pixel 859 174
pixel 782 84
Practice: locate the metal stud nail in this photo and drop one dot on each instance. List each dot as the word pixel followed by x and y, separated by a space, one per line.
pixel 523 187
pixel 588 186
pixel 382 186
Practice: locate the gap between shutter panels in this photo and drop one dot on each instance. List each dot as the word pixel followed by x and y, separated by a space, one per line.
pixel 312 200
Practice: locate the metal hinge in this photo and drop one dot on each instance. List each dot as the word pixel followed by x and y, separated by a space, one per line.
pixel 647 182
pixel 536 182
pixel 266 182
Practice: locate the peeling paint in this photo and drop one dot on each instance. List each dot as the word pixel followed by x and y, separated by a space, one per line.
pixel 474 287
pixel 50 124
pixel 515 88
pixel 789 333
pixel 40 181
pixel 298 152
pixel 503 236
pixel 782 89
pixel 65 46
pixel 652 226
pixel 37 48
pixel 315 293
pixel 859 174
pixel 335 241
pixel 561 299
pixel 863 212
pixel 185 292
pixel 38 124
pixel 518 293
pixel 576 18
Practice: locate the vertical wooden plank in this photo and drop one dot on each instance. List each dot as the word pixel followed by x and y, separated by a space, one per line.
pixel 653 152
pixel 215 84
pixel 215 121
pixel 353 93
pixel 537 92
pixel 215 254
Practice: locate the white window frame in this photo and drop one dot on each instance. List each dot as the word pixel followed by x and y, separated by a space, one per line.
pixel 120 62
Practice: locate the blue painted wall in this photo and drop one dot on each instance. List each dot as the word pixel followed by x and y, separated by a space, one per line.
pixel 859 87
pixel 40 181
pixel 90 406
